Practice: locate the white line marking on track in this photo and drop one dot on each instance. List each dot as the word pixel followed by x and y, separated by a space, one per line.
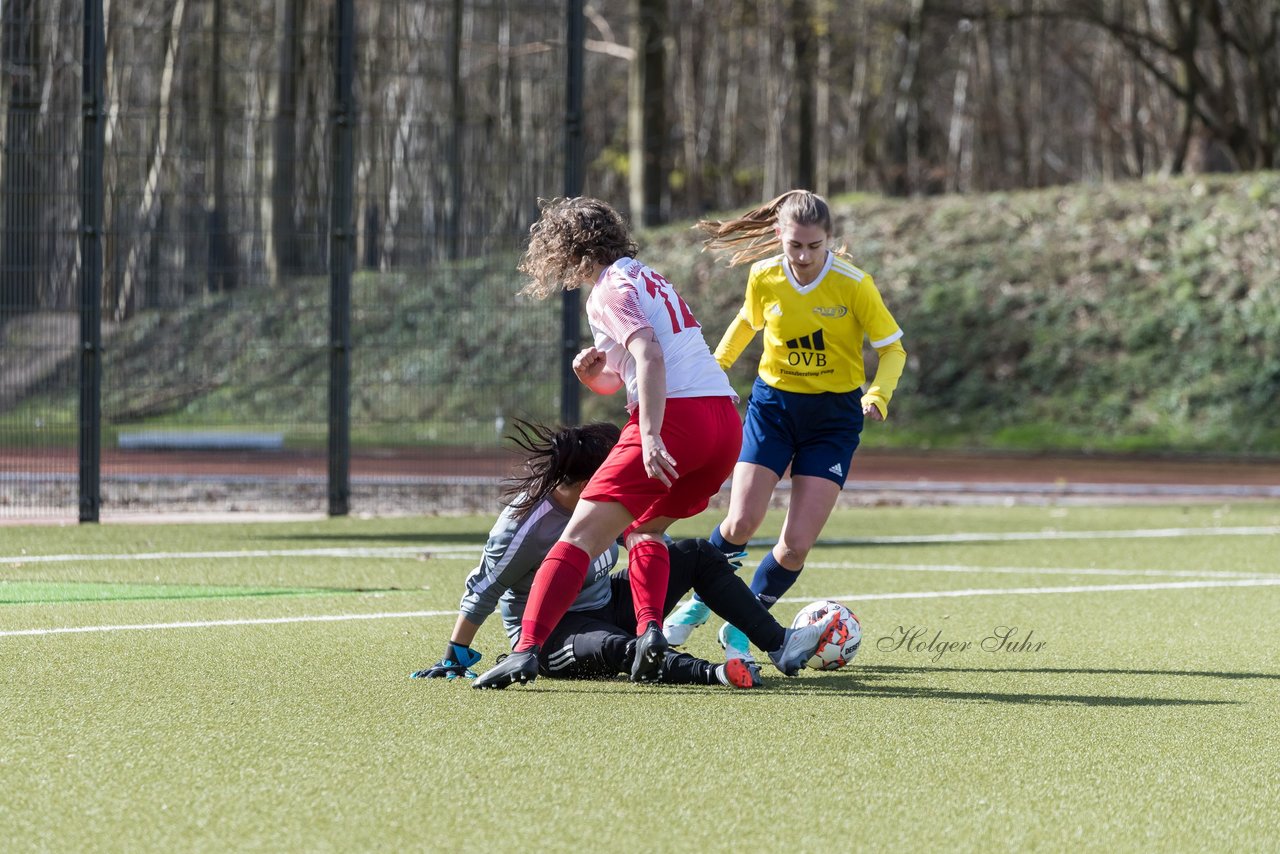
pixel 849 597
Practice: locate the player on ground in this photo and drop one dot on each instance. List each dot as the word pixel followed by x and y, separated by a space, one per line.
pixel 597 636
pixel 676 450
pixel 807 406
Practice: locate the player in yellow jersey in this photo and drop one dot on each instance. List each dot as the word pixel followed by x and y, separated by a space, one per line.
pixel 807 405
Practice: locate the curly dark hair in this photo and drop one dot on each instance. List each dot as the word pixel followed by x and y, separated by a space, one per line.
pixel 555 456
pixel 569 236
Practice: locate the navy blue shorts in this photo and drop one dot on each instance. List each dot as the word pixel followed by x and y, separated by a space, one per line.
pixel 816 434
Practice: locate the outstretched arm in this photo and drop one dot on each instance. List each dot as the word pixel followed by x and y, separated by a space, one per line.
pixel 735 340
pixel 509 556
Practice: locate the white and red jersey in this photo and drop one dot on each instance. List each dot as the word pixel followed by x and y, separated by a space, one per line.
pixel 630 297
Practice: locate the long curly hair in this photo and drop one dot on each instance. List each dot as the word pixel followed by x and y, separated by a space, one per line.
pixel 750 237
pixel 555 456
pixel 569 236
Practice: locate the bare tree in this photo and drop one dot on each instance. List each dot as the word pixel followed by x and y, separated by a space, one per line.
pixel 1217 59
pixel 904 149
pixel 223 265
pixel 800 21
pixel 25 169
pixel 647 113
pixel 217 151
pixel 285 248
pixel 822 144
pixel 776 57
pixel 691 51
pixel 152 194
pixel 728 150
pixel 39 120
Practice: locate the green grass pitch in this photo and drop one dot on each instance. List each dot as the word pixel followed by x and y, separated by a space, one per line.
pixel 245 686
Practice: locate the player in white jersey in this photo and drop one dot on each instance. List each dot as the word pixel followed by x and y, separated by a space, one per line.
pixel 631 296
pixel 677 449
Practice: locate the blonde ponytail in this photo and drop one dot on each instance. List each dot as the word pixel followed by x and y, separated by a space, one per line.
pixel 751 236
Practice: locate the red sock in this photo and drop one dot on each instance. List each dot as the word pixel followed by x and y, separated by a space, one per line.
pixel 649 569
pixel 557 584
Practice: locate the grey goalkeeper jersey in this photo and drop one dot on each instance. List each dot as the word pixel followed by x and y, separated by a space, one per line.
pixel 512 555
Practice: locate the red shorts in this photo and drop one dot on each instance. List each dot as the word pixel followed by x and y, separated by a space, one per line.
pixel 702 434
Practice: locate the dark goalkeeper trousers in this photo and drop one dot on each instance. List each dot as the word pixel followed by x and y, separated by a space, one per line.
pixel 601 643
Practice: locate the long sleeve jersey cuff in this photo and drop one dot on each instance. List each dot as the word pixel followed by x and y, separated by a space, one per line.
pixel 893 359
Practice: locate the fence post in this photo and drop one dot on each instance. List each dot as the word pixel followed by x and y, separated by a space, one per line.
pixel 93 112
pixel 570 316
pixel 341 250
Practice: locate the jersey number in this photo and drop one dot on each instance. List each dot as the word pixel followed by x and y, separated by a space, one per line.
pixel 658 286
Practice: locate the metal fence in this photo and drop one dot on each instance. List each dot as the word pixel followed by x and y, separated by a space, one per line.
pixel 260 255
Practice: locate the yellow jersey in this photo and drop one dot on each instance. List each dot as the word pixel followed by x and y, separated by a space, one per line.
pixel 813 333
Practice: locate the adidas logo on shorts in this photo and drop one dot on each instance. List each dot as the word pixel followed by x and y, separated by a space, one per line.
pixel 836 470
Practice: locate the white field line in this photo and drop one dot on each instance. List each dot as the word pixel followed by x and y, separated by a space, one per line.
pixel 1012 536
pixel 1041 570
pixel 849 597
pixel 449 549
pixel 201 624
pixel 1041 591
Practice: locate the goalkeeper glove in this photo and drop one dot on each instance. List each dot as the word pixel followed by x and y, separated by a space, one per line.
pixel 457 661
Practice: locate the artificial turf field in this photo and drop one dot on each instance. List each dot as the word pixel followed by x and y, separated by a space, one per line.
pixel 245 686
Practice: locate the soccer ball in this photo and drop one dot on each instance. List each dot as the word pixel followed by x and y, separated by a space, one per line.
pixel 841 642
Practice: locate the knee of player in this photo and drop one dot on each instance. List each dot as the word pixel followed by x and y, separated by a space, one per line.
pixel 637 537
pixel 740 527
pixel 791 555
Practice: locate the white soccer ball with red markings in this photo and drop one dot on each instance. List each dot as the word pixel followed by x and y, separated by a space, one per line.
pixel 841 642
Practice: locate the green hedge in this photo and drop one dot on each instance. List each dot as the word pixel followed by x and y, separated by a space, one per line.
pixel 1142 316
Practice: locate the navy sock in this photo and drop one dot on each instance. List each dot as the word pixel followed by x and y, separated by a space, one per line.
pixel 717 539
pixel 772 580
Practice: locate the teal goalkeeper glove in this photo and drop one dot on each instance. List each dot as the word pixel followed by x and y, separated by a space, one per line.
pixel 457 661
